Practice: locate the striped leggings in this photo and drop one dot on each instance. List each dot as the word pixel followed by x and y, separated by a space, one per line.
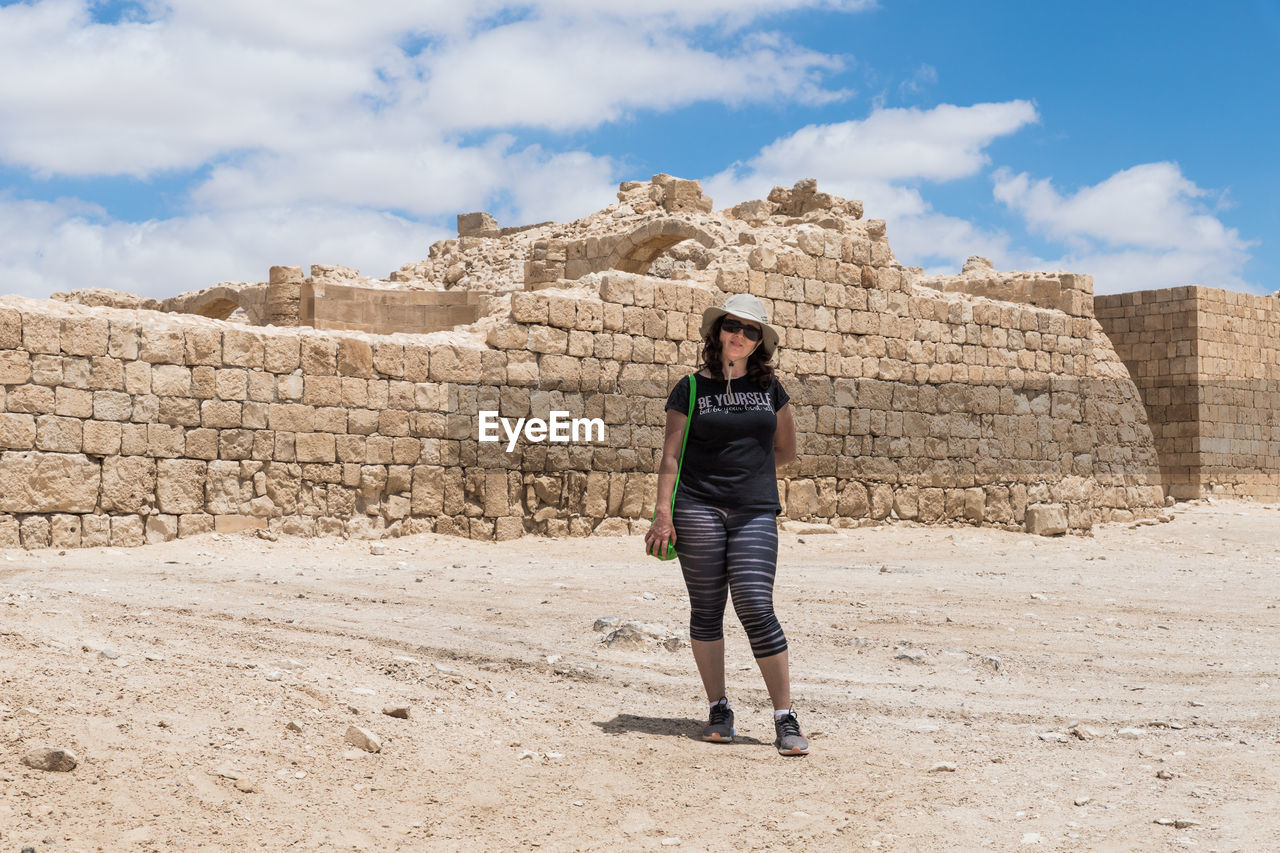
pixel 729 551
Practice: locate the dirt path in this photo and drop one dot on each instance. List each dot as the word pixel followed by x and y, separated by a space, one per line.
pixel 173 668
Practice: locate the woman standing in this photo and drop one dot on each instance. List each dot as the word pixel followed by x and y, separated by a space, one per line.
pixel 724 524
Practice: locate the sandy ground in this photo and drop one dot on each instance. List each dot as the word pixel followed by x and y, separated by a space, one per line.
pixel 173 673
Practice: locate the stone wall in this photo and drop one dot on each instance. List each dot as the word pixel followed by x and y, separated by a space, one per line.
pixel 956 402
pixel 1207 363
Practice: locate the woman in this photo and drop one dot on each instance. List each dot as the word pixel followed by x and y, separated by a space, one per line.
pixel 724 524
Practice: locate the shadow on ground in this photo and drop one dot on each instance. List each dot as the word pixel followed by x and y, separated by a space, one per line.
pixel 680 727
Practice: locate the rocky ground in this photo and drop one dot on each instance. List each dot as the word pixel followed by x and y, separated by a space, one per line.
pixel 964 689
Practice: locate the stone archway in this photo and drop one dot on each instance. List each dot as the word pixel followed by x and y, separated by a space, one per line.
pixel 636 251
pixel 220 302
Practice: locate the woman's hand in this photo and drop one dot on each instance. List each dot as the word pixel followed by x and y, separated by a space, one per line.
pixel 660 533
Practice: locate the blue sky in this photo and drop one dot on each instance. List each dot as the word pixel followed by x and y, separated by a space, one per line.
pixel 161 146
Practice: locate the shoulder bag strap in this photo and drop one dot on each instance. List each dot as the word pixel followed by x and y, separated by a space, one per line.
pixel 693 393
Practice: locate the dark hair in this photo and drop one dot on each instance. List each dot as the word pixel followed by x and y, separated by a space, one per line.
pixel 759 370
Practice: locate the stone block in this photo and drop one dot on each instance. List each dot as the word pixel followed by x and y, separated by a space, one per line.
pixel 195 524
pixel 31 481
pixel 1046 519
pixel 127 531
pixel 64 530
pixel 456 364
pixel 10 329
pixel 180 485
pixel 59 435
pixel 281 354
pixel 355 358
pixel 95 531
pixel 161 528
pixel 84 336
pixel 101 438
pixel 128 483
pixel 17 431
pixel 203 346
pixel 243 349
pixel 41 333
pixel 319 356
pixel 15 367
pixel 161 344
pixel 34 531
pixel 315 447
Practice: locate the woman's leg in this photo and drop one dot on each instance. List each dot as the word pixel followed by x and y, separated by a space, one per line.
pixel 751 561
pixel 700 544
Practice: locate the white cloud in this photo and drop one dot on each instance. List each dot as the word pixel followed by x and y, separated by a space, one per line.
pixel 304 118
pixel 1143 227
pixel 871 158
pixel 67 245
pixel 197 81
pixel 540 74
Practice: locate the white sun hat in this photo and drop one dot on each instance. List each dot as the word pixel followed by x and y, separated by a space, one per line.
pixel 746 307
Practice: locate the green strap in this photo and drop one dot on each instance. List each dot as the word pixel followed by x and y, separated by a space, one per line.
pixel 693 393
pixel 688 419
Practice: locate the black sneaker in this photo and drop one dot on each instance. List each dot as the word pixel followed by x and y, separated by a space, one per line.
pixel 719 727
pixel 791 741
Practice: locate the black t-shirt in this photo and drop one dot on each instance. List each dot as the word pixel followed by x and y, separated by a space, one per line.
pixel 728 460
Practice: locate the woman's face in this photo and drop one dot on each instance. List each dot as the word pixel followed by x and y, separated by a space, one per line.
pixel 735 340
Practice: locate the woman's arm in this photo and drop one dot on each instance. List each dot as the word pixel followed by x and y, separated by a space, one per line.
pixel 784 439
pixel 655 541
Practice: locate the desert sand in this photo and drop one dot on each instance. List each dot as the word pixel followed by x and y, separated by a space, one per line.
pixel 963 688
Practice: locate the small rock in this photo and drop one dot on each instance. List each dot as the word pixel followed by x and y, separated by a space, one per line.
pixel 528 753
pixel 1053 737
pixel 293 726
pixel 913 655
pixel 671 842
pixel 1184 823
pixel 1085 732
pixel 943 767
pixel 1164 774
pixel 648 596
pixel 363 738
pixel 1081 801
pixel 1131 733
pixel 1196 704
pixel 275 675
pixel 109 654
pixel 227 771
pixel 246 785
pixel 400 712
pixel 554 659
pixel 377 550
pixel 992 661
pixel 54 759
pixel 606 623
pixel 353 754
pixel 1031 838
pixel 1164 821
pixel 625 637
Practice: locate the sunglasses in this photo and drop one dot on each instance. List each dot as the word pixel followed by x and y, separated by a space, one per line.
pixel 731 325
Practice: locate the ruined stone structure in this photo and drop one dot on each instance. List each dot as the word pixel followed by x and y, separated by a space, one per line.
pixel 1207 363
pixel 981 398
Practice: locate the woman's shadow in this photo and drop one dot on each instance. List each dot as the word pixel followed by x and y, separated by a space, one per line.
pixel 678 727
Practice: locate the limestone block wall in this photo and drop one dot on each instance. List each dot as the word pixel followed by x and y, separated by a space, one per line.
pixel 119 426
pixel 1207 364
